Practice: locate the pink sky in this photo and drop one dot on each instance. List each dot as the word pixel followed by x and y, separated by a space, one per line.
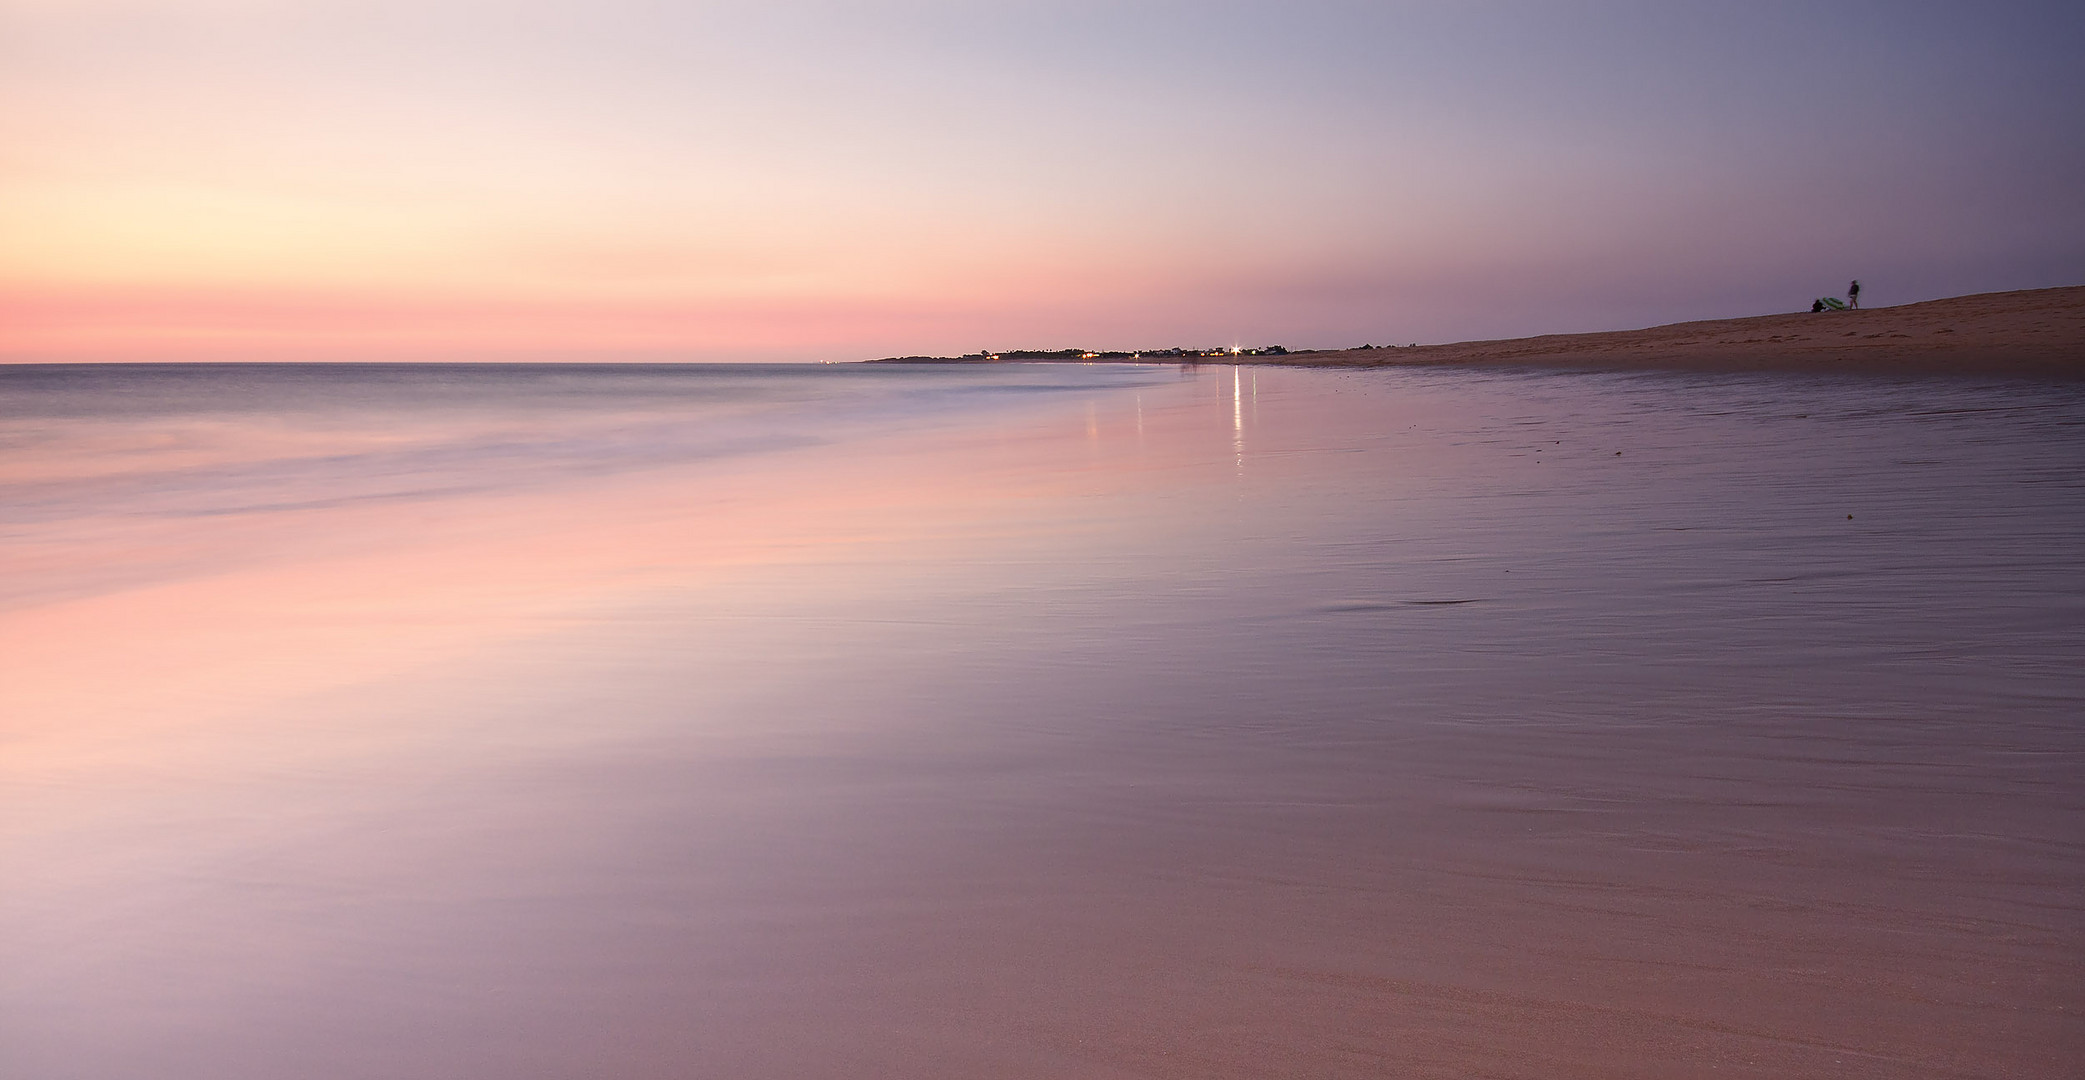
pixel 251 179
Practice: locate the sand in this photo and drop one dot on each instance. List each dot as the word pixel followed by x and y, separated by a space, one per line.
pixel 2037 333
pixel 1234 723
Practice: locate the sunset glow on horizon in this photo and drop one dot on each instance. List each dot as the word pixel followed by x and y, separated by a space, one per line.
pixel 252 180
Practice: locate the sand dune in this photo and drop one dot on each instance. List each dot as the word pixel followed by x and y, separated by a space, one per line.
pixel 2037 333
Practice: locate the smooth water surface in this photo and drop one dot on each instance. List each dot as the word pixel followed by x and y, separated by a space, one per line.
pixel 366 721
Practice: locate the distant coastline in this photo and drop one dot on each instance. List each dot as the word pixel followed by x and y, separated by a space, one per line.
pixel 1087 356
pixel 2037 333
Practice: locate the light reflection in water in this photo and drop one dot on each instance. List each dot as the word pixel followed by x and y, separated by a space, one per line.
pixel 1237 419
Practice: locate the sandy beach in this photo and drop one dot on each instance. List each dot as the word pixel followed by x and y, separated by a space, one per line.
pixel 472 608
pixel 2038 333
pixel 1038 721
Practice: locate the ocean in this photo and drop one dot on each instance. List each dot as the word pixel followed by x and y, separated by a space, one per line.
pixel 365 721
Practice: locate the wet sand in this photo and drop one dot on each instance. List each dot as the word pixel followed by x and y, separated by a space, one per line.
pixel 2035 334
pixel 1247 722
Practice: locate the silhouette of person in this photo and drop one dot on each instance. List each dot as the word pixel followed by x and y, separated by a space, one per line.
pixel 1853 293
pixel 1816 306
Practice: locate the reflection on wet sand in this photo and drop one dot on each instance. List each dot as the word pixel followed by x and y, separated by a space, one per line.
pixel 1049 738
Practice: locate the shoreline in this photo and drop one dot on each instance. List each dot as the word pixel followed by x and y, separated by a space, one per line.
pixel 2034 333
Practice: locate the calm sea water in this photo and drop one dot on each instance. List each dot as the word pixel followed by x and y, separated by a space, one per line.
pixel 373 721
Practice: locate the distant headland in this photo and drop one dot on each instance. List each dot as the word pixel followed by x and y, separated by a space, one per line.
pixel 1082 356
pixel 2037 333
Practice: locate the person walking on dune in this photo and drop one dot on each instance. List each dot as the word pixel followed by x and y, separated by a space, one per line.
pixel 1853 294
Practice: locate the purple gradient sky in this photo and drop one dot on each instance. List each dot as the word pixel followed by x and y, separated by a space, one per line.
pixel 614 179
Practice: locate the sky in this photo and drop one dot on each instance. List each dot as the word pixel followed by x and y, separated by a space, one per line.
pixel 653 180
